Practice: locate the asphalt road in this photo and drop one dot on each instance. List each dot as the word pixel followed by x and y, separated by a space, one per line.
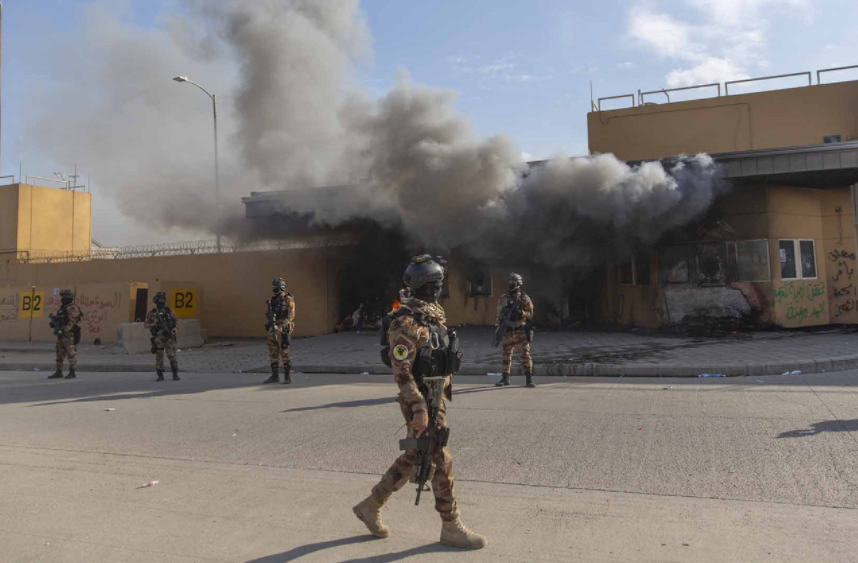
pixel 758 469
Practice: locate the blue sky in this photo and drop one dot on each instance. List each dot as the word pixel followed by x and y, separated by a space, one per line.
pixel 523 68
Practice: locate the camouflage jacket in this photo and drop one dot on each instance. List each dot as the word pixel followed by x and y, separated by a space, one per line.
pixel 284 310
pixel 74 315
pixel 406 335
pixel 152 319
pixel 526 308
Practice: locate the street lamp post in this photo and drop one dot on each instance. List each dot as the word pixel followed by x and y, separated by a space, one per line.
pixel 217 172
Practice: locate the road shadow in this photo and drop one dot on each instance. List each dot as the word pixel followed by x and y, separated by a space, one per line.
pixel 301 551
pixel 346 404
pixel 298 552
pixel 824 426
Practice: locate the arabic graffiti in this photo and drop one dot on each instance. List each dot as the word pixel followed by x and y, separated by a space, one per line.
pixel 844 291
pixel 801 301
pixel 95 309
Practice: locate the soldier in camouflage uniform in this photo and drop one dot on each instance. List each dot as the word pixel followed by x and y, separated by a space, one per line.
pixel 411 326
pixel 162 322
pixel 280 312
pixel 66 325
pixel 516 339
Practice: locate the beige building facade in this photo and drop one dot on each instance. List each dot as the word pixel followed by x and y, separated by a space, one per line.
pixel 783 252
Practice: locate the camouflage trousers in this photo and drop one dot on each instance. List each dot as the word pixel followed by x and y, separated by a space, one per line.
pixel 516 340
pixel 164 344
pixel 276 352
pixel 66 349
pixel 442 482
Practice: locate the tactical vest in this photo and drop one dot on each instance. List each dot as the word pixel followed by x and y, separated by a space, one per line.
pixel 440 356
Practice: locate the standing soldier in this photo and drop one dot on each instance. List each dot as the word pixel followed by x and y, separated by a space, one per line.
pixel 66 325
pixel 417 331
pixel 515 311
pixel 162 323
pixel 281 322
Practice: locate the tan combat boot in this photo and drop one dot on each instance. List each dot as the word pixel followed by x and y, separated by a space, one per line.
pixel 368 511
pixel 455 534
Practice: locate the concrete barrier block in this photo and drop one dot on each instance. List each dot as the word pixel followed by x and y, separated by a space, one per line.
pixel 134 338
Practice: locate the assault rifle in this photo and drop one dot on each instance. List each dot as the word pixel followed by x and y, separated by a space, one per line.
pixel 433 438
pixel 59 321
pixel 164 324
pixel 507 322
pixel 271 325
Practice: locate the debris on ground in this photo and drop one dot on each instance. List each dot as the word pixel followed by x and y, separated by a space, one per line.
pixel 711 375
pixel 149 484
pixel 796 372
pixel 808 431
pixel 109 409
pixel 667 388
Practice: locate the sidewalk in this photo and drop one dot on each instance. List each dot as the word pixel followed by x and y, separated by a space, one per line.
pixel 555 354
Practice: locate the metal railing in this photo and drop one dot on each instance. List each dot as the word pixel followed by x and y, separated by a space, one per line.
pixel 819 72
pixel 665 91
pixel 600 100
pixel 9 176
pixel 187 248
pixel 745 80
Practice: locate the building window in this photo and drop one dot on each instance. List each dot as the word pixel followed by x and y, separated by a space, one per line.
pixel 641 264
pixel 480 285
pixel 627 273
pixel 797 258
pixel 635 271
pixel 748 260
pixel 674 264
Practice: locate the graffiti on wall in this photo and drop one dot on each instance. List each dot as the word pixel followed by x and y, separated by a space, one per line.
pixel 9 305
pixel 844 293
pixel 801 301
pixel 95 308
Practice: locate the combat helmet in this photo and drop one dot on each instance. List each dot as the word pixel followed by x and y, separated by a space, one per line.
pixel 278 285
pixel 424 276
pixel 515 281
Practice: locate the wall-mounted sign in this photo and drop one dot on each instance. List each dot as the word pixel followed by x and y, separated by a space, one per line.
pixel 184 303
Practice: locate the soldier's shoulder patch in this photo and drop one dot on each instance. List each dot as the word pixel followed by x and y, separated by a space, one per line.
pixel 400 352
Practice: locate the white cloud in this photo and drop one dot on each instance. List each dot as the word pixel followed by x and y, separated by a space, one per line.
pixel 525 77
pixel 495 68
pixel 725 41
pixel 710 70
pixel 526 156
pixel 626 65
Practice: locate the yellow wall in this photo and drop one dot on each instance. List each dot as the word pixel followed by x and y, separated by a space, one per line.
pixel 232 287
pixel 838 254
pixel 24 310
pixel 780 118
pixel 41 219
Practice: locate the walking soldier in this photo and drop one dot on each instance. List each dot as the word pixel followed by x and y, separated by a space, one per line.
pixel 514 331
pixel 423 354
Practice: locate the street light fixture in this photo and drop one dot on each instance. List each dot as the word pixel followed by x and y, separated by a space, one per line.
pixel 217 173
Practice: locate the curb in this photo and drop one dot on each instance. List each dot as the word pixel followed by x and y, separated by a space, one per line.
pixel 540 370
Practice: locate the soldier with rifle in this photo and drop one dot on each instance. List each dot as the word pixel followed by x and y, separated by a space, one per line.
pixel 66 325
pixel 424 355
pixel 280 315
pixel 162 323
pixel 514 330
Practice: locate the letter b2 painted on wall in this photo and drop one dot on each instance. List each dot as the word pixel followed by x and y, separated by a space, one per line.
pixel 32 304
pixel 184 303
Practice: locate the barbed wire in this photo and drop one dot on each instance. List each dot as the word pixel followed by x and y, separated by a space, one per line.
pixel 185 248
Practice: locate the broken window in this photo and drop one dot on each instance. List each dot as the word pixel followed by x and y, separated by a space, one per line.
pixel 748 260
pixel 641 265
pixel 674 264
pixel 797 258
pixel 480 284
pixel 710 264
pixel 627 273
pixel 808 258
